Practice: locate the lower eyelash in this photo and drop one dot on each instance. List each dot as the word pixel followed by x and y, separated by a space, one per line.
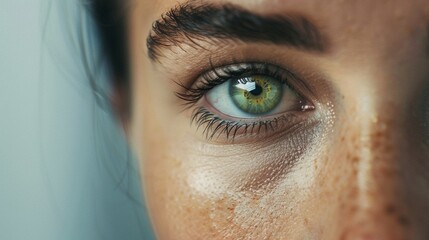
pixel 215 126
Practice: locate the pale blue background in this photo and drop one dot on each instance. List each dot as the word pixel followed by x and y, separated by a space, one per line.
pixel 65 171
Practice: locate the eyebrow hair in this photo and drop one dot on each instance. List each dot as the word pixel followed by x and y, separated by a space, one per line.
pixel 190 22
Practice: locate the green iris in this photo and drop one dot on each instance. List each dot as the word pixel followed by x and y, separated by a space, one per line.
pixel 256 94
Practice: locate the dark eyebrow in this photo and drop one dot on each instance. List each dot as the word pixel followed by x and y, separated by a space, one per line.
pixel 189 22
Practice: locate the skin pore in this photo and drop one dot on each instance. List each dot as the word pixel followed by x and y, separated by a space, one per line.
pixel 346 155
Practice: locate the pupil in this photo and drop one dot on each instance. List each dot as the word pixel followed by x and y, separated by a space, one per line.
pixel 257 91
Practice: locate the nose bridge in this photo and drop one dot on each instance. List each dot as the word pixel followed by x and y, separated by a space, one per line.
pixel 380 152
pixel 378 168
pixel 380 212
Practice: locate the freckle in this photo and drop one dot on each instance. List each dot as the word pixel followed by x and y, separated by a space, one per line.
pixel 344 235
pixel 390 209
pixel 306 221
pixel 353 194
pixel 403 220
pixel 388 148
pixel 375 144
pixel 354 172
pixel 355 159
pixel 355 139
pixel 337 178
pixel 353 209
pixel 188 209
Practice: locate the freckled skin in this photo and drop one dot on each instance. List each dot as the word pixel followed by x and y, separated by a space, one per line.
pixel 359 171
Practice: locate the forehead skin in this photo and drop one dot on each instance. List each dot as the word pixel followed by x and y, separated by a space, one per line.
pixel 363 171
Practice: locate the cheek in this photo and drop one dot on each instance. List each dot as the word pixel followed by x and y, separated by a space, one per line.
pixel 200 191
pixel 206 203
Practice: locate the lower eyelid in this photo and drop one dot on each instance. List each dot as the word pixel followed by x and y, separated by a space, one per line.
pixel 214 128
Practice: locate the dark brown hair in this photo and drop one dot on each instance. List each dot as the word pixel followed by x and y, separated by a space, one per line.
pixel 110 19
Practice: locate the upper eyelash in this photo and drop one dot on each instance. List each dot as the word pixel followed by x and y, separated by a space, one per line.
pixel 217 76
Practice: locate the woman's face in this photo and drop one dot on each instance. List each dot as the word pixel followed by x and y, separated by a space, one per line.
pixel 272 119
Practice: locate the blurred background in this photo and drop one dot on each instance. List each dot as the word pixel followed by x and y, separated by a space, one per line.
pixel 65 169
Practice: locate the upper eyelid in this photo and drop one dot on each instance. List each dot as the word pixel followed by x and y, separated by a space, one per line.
pixel 209 79
pixel 226 72
pixel 239 69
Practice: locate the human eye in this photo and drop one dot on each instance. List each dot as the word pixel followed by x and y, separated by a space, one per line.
pixel 246 100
